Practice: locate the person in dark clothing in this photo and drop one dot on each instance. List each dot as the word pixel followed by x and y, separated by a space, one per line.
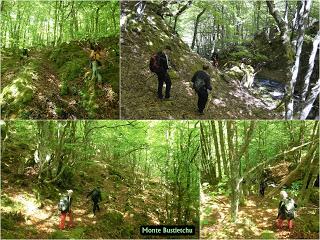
pixel 286 210
pixel 201 84
pixel 24 54
pixel 162 72
pixel 215 59
pixel 96 198
pixel 263 186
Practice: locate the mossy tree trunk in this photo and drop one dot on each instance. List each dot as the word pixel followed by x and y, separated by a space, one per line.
pixel 307 101
pixel 236 152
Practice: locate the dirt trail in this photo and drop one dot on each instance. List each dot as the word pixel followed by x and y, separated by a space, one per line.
pixel 255 220
pixel 48 96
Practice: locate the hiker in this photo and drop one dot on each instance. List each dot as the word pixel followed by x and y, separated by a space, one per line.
pixel 201 84
pixel 24 54
pixel 96 198
pixel 286 210
pixel 65 208
pixel 214 59
pixel 96 55
pixel 159 64
pixel 262 186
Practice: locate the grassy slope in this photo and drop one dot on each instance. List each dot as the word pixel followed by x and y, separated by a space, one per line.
pixel 52 83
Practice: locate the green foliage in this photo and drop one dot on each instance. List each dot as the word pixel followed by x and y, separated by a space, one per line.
pixel 9 220
pixel 295 188
pixel 59 235
pixel 72 70
pixel 268 235
pixel 16 94
pixel 40 13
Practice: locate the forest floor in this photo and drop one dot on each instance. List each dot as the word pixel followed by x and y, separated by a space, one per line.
pixel 139 98
pixel 256 219
pixel 124 208
pixel 32 88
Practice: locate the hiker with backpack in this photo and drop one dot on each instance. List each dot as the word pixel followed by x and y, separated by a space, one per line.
pixel 159 64
pixel 201 84
pixel 286 210
pixel 64 207
pixel 96 198
pixel 96 58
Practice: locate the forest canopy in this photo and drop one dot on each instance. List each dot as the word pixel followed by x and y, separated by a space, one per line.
pixel 41 23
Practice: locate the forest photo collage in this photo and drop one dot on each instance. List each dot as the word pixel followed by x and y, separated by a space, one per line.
pixel 159 119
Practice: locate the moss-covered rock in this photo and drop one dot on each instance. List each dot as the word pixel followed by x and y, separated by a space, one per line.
pixel 17 94
pixel 241 72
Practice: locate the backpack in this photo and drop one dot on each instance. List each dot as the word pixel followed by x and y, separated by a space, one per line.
pixel 154 64
pixel 287 208
pixel 198 84
pixel 63 204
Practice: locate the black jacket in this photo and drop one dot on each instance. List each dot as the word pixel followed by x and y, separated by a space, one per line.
pixel 163 61
pixel 203 75
pixel 95 195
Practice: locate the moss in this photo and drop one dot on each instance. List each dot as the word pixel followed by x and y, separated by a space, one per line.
pixel 58 235
pixel 15 95
pixel 113 218
pixel 10 219
pixel 72 70
pixel 268 235
pixel 67 52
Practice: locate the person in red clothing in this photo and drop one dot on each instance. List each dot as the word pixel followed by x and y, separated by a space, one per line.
pixel 286 210
pixel 65 209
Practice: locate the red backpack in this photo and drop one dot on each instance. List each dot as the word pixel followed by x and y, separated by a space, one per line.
pixel 154 63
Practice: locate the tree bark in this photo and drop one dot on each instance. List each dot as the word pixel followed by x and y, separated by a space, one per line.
pixel 223 151
pixel 292 176
pixel 302 21
pixel 217 151
pixel 308 103
pixel 195 32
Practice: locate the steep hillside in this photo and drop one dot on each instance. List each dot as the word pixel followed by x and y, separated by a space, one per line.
pixel 55 83
pixel 142 36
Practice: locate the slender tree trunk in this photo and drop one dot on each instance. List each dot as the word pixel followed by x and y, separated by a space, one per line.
pixel 302 18
pixel 195 32
pixel 308 103
pixel 216 145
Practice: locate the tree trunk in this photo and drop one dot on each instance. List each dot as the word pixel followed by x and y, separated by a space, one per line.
pixel 308 103
pixel 292 176
pixel 302 18
pixel 216 145
pixel 195 32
